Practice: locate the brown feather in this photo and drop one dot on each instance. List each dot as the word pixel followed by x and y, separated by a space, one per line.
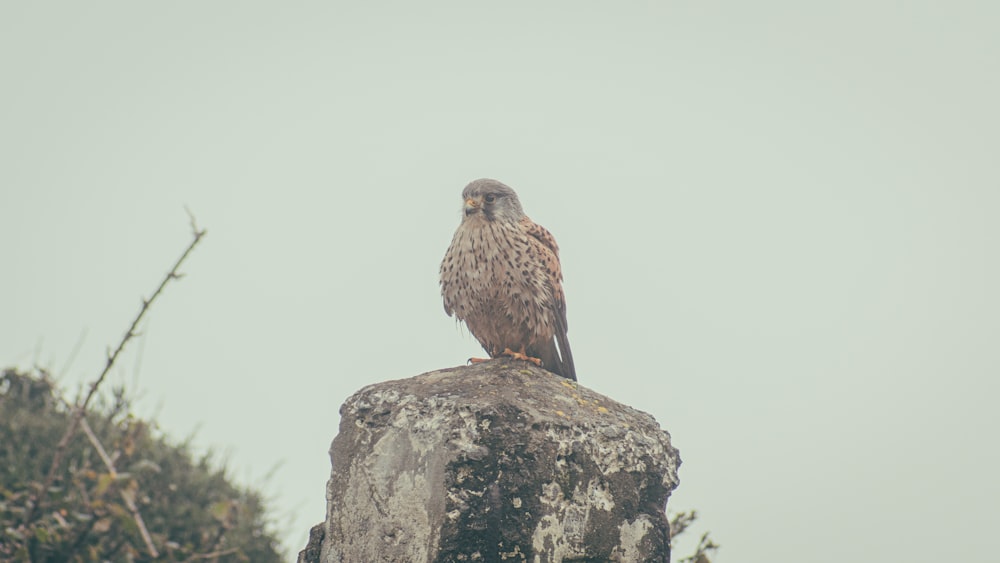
pixel 501 276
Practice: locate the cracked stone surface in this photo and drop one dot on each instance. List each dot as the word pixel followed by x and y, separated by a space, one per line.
pixel 498 461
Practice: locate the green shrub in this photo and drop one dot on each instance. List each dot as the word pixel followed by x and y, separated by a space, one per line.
pixel 185 507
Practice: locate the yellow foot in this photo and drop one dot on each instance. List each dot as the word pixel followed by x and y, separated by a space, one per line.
pixel 521 356
pixel 478 360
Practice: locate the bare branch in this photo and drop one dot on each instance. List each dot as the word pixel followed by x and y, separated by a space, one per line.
pixel 81 408
pixel 85 426
pixel 194 224
pixel 129 499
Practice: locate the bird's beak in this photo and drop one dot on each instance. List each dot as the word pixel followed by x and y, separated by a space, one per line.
pixel 471 206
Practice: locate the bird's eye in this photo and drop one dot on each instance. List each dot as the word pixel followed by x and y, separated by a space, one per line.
pixel 490 198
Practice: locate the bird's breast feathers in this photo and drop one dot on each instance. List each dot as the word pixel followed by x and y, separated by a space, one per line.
pixel 489 262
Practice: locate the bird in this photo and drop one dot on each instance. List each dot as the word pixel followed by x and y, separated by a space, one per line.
pixel 501 276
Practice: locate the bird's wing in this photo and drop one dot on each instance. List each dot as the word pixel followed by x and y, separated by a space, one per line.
pixel 554 270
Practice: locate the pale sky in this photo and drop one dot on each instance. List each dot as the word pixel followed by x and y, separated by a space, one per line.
pixel 778 223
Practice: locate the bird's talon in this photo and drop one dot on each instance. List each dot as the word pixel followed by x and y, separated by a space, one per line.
pixel 522 356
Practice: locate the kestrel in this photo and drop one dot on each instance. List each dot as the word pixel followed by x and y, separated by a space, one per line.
pixel 501 275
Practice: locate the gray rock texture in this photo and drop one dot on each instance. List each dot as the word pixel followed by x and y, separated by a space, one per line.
pixel 498 461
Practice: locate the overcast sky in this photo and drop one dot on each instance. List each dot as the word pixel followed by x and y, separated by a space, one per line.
pixel 778 223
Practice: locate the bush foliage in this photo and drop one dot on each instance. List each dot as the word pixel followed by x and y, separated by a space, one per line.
pixel 184 508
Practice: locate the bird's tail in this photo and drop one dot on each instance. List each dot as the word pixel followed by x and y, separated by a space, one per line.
pixel 566 367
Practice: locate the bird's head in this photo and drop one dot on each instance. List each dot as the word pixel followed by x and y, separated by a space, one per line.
pixel 491 200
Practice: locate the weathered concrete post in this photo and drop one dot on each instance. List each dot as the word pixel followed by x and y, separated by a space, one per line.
pixel 499 461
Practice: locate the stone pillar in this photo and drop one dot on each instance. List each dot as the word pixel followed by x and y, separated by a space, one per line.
pixel 499 461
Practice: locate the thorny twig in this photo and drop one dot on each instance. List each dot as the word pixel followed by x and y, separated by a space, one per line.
pixel 38 497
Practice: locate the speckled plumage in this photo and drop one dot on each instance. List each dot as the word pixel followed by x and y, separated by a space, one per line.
pixel 501 275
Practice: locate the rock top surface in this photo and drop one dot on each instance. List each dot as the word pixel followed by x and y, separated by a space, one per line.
pixel 498 461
